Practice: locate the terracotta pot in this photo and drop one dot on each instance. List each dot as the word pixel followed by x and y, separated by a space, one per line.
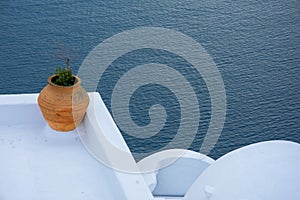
pixel 63 107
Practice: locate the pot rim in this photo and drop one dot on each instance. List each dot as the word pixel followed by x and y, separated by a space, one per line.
pixel 77 82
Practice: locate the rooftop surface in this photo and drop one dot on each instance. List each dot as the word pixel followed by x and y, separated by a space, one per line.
pixel 40 163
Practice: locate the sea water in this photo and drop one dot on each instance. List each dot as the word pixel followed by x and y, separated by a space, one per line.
pixel 254 44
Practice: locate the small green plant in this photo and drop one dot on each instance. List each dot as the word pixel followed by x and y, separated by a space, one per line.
pixel 64 76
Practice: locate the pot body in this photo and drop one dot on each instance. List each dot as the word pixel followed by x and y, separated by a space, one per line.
pixel 63 107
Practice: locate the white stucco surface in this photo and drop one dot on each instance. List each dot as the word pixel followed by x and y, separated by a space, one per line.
pixel 163 169
pixel 262 171
pixel 39 163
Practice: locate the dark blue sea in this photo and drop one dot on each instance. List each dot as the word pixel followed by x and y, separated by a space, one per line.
pixel 254 44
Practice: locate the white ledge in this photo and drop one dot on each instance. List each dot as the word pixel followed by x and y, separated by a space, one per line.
pixel 39 163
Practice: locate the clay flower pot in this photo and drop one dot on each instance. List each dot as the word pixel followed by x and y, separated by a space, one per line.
pixel 63 107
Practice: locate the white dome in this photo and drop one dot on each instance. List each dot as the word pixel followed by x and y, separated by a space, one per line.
pixel 266 170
